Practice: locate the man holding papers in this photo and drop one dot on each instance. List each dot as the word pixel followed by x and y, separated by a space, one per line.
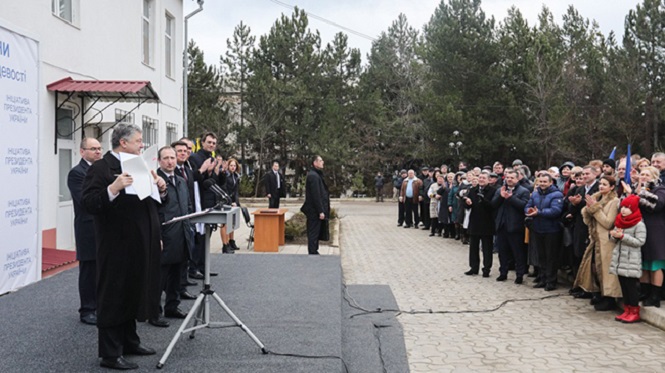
pixel 128 245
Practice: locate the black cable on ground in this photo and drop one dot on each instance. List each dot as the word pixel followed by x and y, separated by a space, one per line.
pixel 346 369
pixel 353 304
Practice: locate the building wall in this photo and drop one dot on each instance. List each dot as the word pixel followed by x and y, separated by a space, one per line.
pixel 104 43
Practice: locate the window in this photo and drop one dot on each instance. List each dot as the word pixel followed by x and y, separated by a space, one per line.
pixel 122 116
pixel 65 124
pixel 171 133
pixel 149 131
pixel 63 9
pixel 147 31
pixel 169 47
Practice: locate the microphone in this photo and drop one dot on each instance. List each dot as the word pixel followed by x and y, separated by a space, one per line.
pixel 211 185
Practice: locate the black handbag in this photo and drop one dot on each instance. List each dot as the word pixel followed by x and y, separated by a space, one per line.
pixel 324 233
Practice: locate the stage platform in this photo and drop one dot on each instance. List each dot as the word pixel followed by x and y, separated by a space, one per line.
pixel 294 304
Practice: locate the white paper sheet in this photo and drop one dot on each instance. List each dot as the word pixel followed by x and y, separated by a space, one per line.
pixel 143 185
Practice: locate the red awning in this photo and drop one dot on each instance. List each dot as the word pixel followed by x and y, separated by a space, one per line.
pixel 107 90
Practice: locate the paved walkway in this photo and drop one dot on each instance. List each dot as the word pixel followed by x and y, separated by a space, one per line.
pixel 559 334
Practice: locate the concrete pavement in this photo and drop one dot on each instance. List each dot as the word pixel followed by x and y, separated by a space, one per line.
pixel 559 334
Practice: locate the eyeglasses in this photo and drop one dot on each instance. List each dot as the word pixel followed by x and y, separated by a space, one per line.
pixel 93 149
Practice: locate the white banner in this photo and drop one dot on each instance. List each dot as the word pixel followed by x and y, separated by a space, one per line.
pixel 19 164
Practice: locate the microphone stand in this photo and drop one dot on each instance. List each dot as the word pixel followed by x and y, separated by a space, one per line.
pixel 200 311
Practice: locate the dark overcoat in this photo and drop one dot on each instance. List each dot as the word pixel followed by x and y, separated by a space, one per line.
pixel 128 246
pixel 84 230
pixel 444 214
pixel 580 230
pixel 510 212
pixel 652 206
pixel 176 237
pixel 481 220
pixel 317 197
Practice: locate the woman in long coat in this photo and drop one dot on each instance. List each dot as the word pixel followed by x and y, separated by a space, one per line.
pixel 432 193
pixel 652 204
pixel 599 214
pixel 453 203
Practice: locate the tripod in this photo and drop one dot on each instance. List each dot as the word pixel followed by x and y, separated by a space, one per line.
pixel 200 311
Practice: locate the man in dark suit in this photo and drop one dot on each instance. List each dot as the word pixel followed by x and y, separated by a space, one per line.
pixel 577 203
pixel 481 225
pixel 274 186
pixel 127 233
pixel 203 164
pixel 509 202
pixel 317 204
pixel 176 237
pixel 91 151
pixel 182 169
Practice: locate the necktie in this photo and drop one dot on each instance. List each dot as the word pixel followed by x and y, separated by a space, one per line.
pixel 183 172
pixel 172 180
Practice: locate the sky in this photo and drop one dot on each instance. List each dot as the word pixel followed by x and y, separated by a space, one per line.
pixel 211 28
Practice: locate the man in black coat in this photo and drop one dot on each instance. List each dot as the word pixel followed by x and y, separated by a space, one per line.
pixel 127 233
pixel 203 165
pixel 183 169
pixel 91 151
pixel 577 203
pixel 317 205
pixel 176 237
pixel 274 186
pixel 481 225
pixel 509 202
pixel 426 178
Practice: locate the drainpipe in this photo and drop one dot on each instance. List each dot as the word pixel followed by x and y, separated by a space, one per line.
pixel 184 70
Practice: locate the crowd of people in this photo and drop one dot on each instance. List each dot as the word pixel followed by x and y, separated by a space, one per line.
pixel 603 230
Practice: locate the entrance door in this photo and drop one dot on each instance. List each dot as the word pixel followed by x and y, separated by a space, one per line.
pixel 66 158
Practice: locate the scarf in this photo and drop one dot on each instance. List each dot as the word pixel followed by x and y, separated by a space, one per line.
pixel 633 203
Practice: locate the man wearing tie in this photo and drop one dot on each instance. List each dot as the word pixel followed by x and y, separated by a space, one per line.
pixel 274 186
pixel 182 152
pixel 177 237
pixel 84 231
pixel 128 245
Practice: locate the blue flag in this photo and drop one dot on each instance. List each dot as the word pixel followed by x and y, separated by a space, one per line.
pixel 612 155
pixel 627 177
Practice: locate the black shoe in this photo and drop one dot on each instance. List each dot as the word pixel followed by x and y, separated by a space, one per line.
pixel 226 249
pixel 159 322
pixel 471 273
pixel 232 244
pixel 175 314
pixel 653 300
pixel 139 350
pixel 425 228
pixel 595 298
pixel 539 285
pixel 432 234
pixel 118 363
pixel 407 226
pixel 550 287
pixel 213 274
pixel 519 280
pixel 486 274
pixel 582 295
pixel 605 304
pixel 191 283
pixel 399 224
pixel 196 275
pixel 90 319
pixel 502 278
pixel 187 295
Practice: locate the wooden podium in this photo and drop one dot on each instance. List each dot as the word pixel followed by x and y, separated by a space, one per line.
pixel 268 229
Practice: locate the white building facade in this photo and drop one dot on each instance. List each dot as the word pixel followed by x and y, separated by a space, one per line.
pixel 120 40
